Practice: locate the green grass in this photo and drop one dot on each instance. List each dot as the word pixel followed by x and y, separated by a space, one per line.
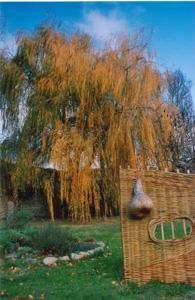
pixel 94 279
pixel 178 230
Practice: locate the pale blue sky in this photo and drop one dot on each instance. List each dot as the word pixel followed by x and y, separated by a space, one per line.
pixel 172 24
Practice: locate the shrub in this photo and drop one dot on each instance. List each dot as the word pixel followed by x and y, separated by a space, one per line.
pixel 28 231
pixel 6 246
pixel 53 239
pixel 25 251
pixel 18 220
pixel 10 240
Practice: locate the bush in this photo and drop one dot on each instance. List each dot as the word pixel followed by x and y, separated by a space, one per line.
pixel 18 220
pixel 25 250
pixel 10 240
pixel 53 239
pixel 6 246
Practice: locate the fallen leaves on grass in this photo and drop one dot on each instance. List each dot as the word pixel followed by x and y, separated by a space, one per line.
pixel 115 283
pixel 4 293
pixel 14 269
pixel 108 254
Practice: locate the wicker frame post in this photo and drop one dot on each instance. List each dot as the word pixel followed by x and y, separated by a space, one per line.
pixel 145 257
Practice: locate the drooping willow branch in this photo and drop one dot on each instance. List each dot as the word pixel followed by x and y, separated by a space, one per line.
pixel 85 112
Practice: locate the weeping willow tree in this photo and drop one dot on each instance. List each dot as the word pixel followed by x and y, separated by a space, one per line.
pixel 85 111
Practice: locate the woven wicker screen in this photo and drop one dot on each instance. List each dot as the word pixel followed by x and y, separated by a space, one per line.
pixel 148 252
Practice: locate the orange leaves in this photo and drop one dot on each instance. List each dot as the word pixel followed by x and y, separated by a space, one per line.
pixel 46 86
pixel 122 77
pixel 85 103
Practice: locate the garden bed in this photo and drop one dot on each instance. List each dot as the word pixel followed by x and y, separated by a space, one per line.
pixel 48 243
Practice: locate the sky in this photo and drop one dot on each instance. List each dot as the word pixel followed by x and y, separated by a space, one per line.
pixel 171 25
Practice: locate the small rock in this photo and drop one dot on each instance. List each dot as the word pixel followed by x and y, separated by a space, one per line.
pixel 50 261
pixel 84 254
pixel 64 258
pixel 76 256
pixel 11 256
pixel 98 249
pixel 20 248
pixel 30 297
pixel 101 244
pixel 91 251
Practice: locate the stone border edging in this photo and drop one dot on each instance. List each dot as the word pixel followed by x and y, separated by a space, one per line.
pixel 51 260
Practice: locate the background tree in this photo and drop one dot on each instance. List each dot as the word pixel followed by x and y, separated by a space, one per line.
pixel 178 89
pixel 82 107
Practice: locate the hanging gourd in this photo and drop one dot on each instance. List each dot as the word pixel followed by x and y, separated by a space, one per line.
pixel 141 204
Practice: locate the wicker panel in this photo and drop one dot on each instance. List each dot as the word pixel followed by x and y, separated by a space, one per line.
pixel 173 196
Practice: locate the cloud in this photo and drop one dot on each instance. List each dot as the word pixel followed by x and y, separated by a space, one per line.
pixel 103 27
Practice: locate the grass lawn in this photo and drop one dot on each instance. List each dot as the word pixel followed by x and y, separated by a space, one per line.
pixel 96 278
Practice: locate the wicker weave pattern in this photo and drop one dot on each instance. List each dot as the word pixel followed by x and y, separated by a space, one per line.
pixel 173 196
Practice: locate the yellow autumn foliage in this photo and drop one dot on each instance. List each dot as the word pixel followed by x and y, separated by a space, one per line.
pixel 90 110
